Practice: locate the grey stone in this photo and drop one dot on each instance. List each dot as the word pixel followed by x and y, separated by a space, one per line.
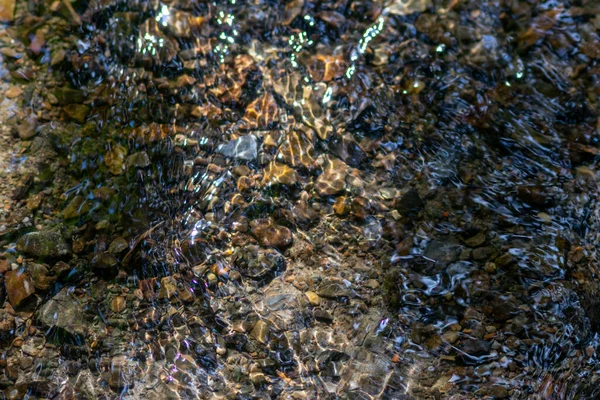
pixel 442 252
pixel 64 312
pixel 244 148
pixel 27 129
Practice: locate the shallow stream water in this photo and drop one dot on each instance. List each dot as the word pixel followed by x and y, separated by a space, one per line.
pixel 299 199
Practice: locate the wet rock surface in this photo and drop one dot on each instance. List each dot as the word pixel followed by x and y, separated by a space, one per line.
pixel 43 244
pixel 299 199
pixel 64 312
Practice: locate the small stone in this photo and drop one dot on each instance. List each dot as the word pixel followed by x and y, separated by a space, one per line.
pixel 442 252
pixel 372 284
pixel 241 170
pixel 545 217
pixel 167 288
pixel 499 392
pixel 147 288
pixel 19 286
pixel 185 80
pixel 76 208
pixel 212 279
pixel 118 304
pixel 333 288
pixel 482 253
pixel 138 160
pixel 313 298
pixel 536 196
pixel 270 234
pixel 186 294
pixel 103 225
pixel 490 267
pixel 43 244
pixel 58 56
pixel 118 377
pixel 235 276
pixel 243 148
pixel 41 278
pixel 323 316
pixel 277 173
pixel 505 261
pixel 404 247
pixel 7 326
pixel 257 378
pixel 589 351
pixel 13 92
pixel 27 127
pixel 7 10
pixel 77 112
pixel 4 266
pixel 64 312
pixel 66 95
pixel 450 336
pixel 476 240
pixel 115 159
pixel 61 269
pixel 410 203
pixel 340 207
pixel 118 245
pixel 260 332
pixel 103 193
pixel 333 179
pixel 472 350
pixel 105 265
pixel 297 150
pixel 25 362
pixel 503 308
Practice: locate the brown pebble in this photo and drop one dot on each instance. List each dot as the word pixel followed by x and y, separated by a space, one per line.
pixel 13 92
pixel 313 298
pixel 118 304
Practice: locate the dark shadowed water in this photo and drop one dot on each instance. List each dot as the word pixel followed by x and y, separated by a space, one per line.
pixel 299 199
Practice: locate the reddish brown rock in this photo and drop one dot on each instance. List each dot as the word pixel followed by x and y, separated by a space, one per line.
pixel 270 234
pixel 18 286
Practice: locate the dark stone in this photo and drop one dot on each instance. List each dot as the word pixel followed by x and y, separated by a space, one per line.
pixel 442 252
pixel 77 112
pixel 473 351
pixel 499 392
pixel 503 308
pixel 67 95
pixel 482 253
pixel 323 316
pixel 105 265
pixel 535 196
pixel 410 204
